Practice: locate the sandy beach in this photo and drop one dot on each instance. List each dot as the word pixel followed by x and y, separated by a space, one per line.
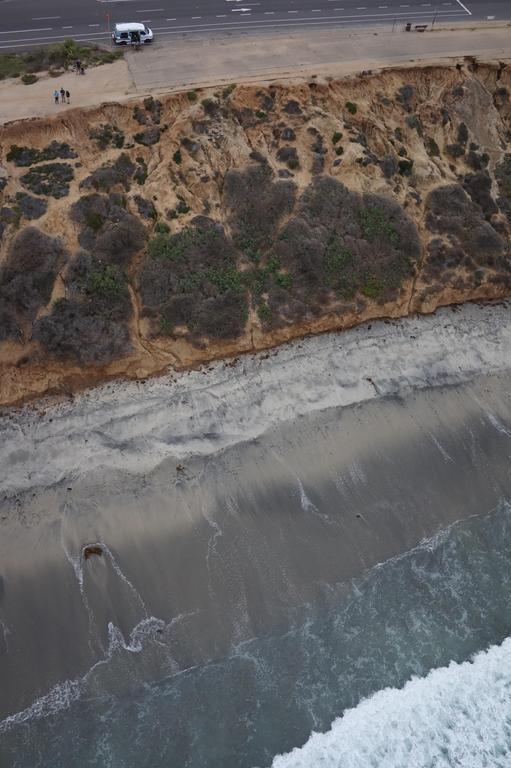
pixel 223 501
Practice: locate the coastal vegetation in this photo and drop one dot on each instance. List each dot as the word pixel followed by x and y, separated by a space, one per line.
pixel 215 221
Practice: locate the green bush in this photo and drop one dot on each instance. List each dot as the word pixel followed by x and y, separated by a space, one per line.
pixel 336 137
pixel 372 288
pixel 177 157
pixel 29 79
pixel 192 96
pixel 191 279
pixel 264 313
pixel 106 281
pixel 375 224
pixel 351 107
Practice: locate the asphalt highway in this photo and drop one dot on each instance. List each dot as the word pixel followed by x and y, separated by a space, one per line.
pixel 24 23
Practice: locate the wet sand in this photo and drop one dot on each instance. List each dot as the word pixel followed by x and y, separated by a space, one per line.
pixel 226 504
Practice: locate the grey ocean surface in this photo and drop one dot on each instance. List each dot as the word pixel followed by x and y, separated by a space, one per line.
pixel 255 593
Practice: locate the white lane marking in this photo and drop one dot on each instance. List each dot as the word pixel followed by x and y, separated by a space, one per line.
pixel 316 10
pixel 93 25
pixel 150 10
pixel 464 7
pixel 16 31
pixel 347 19
pixel 45 18
pixel 292 11
pixel 221 16
pixel 196 17
pixel 71 27
pixel 84 36
pixel 269 13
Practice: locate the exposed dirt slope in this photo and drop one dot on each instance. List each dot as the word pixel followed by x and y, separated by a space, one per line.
pixel 172 232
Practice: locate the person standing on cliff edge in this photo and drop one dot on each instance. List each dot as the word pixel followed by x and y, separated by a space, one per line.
pixel 56 96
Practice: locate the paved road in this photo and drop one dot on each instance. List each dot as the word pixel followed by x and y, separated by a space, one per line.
pixel 31 22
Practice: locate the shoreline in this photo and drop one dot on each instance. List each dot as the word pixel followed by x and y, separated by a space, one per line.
pixel 300 474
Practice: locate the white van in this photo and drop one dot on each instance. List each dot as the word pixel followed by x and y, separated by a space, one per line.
pixel 122 33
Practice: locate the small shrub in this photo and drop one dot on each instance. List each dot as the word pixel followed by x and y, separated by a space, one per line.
pixel 455 150
pixel 31 207
pixel 405 167
pixel 107 135
pixel 389 166
pixel 140 173
pixel 192 96
pixel 177 158
pixel 261 114
pixel 139 115
pixel 405 96
pixel 145 207
pixel 462 134
pixel 210 107
pixel 149 137
pixel 351 107
pixel 29 79
pixel 94 220
pixel 375 224
pixel 292 108
pixel 414 122
pixel 336 137
pixel 372 288
pixel 110 175
pixel 226 92
pixel 264 313
pixel 503 176
pixel 432 147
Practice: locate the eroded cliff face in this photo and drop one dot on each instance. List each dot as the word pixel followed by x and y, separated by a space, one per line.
pixel 173 231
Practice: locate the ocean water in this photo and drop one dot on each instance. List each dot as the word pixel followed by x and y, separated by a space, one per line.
pixel 416 655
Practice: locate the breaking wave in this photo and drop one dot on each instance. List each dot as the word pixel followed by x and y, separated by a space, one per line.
pixel 458 715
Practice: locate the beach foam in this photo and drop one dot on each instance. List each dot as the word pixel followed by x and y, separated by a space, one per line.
pixel 456 716
pixel 134 426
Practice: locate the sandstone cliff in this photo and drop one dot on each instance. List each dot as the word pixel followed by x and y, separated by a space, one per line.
pixel 205 224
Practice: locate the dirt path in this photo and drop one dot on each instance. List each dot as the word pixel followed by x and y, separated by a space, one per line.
pixel 109 82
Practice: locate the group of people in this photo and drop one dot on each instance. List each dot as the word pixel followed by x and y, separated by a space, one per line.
pixel 62 96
